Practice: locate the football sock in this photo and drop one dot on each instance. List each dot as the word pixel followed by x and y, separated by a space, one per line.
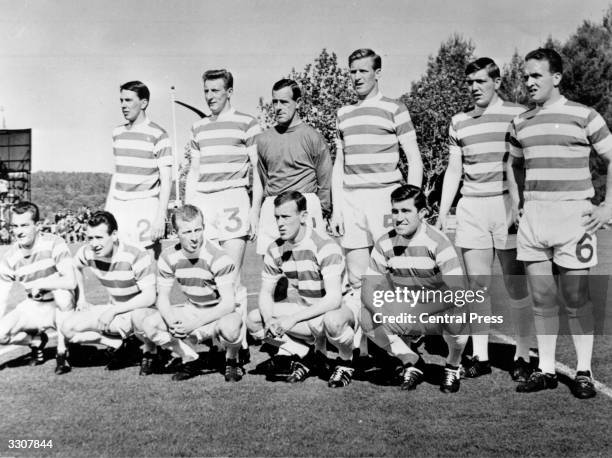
pixel 291 347
pixel 584 350
pixel 521 312
pixel 456 345
pixel 343 342
pixel 547 328
pixel 480 330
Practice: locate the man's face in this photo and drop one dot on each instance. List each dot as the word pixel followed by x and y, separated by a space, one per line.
pixel 131 105
pixel 540 82
pixel 216 96
pixel 190 234
pixel 406 218
pixel 289 220
pixel 100 241
pixel 482 87
pixel 363 76
pixel 284 105
pixel 24 229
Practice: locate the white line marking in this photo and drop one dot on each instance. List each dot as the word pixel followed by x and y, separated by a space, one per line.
pixel 560 367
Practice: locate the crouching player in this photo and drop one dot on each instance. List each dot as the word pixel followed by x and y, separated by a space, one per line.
pixel 43 265
pixel 417 256
pixel 314 266
pixel 127 274
pixel 206 275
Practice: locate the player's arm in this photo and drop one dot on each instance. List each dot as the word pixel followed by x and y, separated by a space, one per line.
pixel 257 192
pixel 226 305
pixel 159 223
pixel 111 190
pixel 601 215
pixel 331 301
pixel 336 223
pixel 413 157
pixel 323 171
pixel 450 185
pixel 266 301
pixel 515 170
pixel 5 289
pixel 65 277
pixel 82 303
pixel 194 170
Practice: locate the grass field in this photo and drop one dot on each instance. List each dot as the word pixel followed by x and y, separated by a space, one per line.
pixel 92 412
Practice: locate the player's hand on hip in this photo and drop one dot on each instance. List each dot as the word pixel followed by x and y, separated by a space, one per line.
pixel 597 217
pixel 336 224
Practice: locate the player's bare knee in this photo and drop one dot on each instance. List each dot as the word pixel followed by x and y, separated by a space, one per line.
pixel 254 321
pixel 68 328
pixel 230 327
pixel 334 323
pixel 516 286
pixel 138 317
pixel 64 299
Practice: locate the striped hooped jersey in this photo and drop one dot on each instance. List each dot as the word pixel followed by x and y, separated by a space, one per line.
pixel 198 277
pixel 479 137
pixel 220 146
pixel 416 262
pixel 140 151
pixel 369 133
pixel 555 142
pixel 125 275
pixel 305 264
pixel 46 254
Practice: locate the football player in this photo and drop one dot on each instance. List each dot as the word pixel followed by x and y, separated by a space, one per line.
pixel 314 266
pixel 550 147
pixel 485 223
pixel 370 134
pixel 43 265
pixel 127 274
pixel 206 275
pixel 415 256
pixel 140 187
pixel 223 150
pixel 292 157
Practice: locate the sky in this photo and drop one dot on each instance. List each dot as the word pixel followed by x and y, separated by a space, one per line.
pixel 62 61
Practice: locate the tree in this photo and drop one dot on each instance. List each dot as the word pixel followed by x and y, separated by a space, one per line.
pixel 513 88
pixel 325 89
pixel 433 100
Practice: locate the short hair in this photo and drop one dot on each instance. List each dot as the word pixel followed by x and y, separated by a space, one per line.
pixel 408 191
pixel 222 74
pixel 363 53
pixel 186 213
pixel 291 196
pixel 555 61
pixel 483 63
pixel 27 207
pixel 141 90
pixel 103 217
pixel 296 92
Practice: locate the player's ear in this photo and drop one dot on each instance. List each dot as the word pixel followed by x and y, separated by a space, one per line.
pixel 114 236
pixel 144 103
pixel 304 216
pixel 423 212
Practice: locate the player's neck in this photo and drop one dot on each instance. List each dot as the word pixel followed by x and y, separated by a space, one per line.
pixel 142 117
pixel 554 98
pixel 495 99
pixel 299 236
pixel 226 108
pixel 370 95
pixel 295 121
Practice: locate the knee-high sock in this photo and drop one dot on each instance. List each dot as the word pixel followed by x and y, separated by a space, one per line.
pixel 291 347
pixel 581 325
pixel 456 345
pixel 546 323
pixel 60 317
pixel 96 337
pixel 344 343
pixel 480 330
pixel 521 313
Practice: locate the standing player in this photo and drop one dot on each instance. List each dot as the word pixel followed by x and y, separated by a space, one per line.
pixel 292 157
pixel 550 146
pixel 43 265
pixel 127 274
pixel 140 187
pixel 315 268
pixel 419 257
pixel 205 274
pixel 223 148
pixel 370 135
pixel 477 150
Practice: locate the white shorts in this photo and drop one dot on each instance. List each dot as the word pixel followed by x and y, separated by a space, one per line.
pixel 554 230
pixel 226 213
pixel 267 232
pixel 367 216
pixel 484 222
pixel 34 315
pixel 134 218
